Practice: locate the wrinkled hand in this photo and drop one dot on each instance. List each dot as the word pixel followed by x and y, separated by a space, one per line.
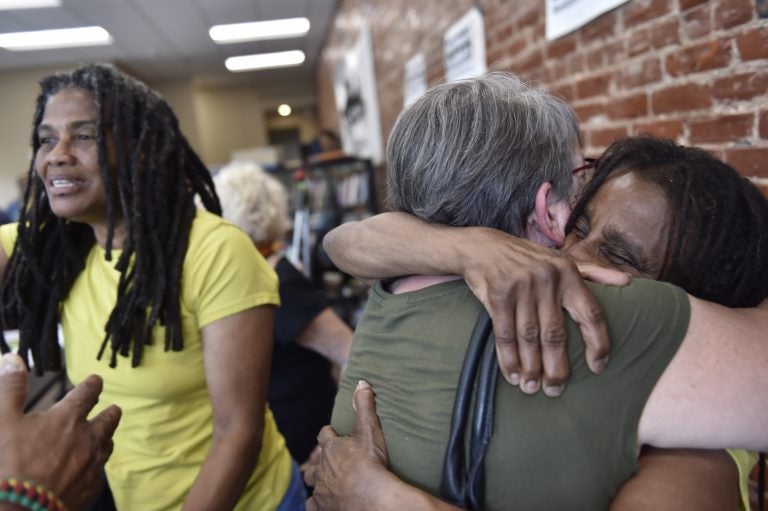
pixel 525 288
pixel 347 471
pixel 58 448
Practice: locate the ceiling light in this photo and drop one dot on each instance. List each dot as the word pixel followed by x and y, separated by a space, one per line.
pixel 265 60
pixel 62 38
pixel 259 30
pixel 284 110
pixel 7 5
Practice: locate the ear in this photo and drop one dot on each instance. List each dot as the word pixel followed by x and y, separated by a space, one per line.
pixel 546 223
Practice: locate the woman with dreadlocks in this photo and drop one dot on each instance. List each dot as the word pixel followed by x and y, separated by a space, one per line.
pixel 171 306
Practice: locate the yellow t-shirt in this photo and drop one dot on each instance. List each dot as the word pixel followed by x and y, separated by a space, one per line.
pixel 166 429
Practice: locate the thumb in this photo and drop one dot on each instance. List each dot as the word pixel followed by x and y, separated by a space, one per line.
pixel 13 384
pixel 367 424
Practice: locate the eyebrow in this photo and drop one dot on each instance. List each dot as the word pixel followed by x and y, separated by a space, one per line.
pixel 73 125
pixel 632 251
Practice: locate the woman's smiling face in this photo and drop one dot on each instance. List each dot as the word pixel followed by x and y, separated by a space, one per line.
pixel 625 226
pixel 67 160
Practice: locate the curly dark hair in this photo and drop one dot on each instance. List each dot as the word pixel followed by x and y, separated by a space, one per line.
pixel 717 248
pixel 150 188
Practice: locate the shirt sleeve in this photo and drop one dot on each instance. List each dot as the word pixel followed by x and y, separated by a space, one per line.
pixel 224 273
pixel 8 235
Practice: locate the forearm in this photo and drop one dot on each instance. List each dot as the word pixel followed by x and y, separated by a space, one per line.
pixel 328 335
pixel 394 244
pixel 225 471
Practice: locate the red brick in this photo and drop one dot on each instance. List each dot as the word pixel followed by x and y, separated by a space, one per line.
pixel 565 92
pixel 687 4
pixel 702 57
pixel 636 74
pixel 604 137
pixel 763 188
pixel 741 87
pixel 727 128
pixel 640 11
pixel 557 70
pixel 603 27
pixel 504 32
pixel 763 126
pixel 753 45
pixel 731 13
pixel 530 18
pixel 561 47
pixel 528 64
pixel 752 161
pixel 614 52
pixel 666 129
pixel 639 42
pixel 594 86
pixel 575 64
pixel 665 33
pixel 681 98
pixel 630 107
pixel 587 112
pixel 595 59
pixel 697 22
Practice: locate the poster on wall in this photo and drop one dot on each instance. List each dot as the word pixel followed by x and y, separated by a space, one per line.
pixel 357 101
pixel 415 82
pixel 464 47
pixel 565 16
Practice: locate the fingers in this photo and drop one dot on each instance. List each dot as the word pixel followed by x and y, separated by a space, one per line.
pixel 528 346
pixel 554 355
pixel 367 424
pixel 81 399
pixel 311 505
pixel 103 426
pixel 14 380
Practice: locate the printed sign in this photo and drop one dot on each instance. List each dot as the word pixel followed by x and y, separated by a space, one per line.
pixel 415 83
pixel 464 47
pixel 564 16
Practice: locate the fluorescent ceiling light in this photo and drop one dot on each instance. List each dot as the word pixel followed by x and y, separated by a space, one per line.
pixel 259 30
pixel 265 60
pixel 8 5
pixel 61 38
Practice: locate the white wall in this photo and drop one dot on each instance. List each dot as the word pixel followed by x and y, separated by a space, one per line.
pixel 18 91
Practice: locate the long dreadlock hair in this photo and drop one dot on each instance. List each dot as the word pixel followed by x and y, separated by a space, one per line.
pixel 150 187
pixel 717 248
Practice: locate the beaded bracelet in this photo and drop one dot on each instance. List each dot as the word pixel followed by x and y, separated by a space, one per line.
pixel 29 495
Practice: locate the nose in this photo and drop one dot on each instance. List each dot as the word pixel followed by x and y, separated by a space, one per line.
pixel 581 249
pixel 61 153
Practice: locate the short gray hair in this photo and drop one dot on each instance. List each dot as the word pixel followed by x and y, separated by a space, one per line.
pixel 253 200
pixel 474 152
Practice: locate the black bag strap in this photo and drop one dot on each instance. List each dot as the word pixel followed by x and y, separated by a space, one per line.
pixel 463 484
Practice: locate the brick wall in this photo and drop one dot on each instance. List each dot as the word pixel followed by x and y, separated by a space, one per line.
pixel 692 70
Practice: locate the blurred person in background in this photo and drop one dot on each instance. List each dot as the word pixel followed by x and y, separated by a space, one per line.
pixel 311 342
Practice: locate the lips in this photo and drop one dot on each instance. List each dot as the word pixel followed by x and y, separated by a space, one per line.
pixel 64 185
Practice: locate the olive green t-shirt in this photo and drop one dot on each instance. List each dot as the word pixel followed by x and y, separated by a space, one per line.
pixel 566 453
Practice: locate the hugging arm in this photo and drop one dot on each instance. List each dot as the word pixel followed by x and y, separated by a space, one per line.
pixel 524 287
pixel 712 395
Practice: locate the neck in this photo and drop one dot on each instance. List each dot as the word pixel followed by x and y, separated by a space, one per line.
pixel 118 238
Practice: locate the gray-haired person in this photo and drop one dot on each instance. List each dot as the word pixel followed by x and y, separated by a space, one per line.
pixel 575 451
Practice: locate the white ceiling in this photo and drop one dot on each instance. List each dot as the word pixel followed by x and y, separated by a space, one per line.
pixel 159 40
